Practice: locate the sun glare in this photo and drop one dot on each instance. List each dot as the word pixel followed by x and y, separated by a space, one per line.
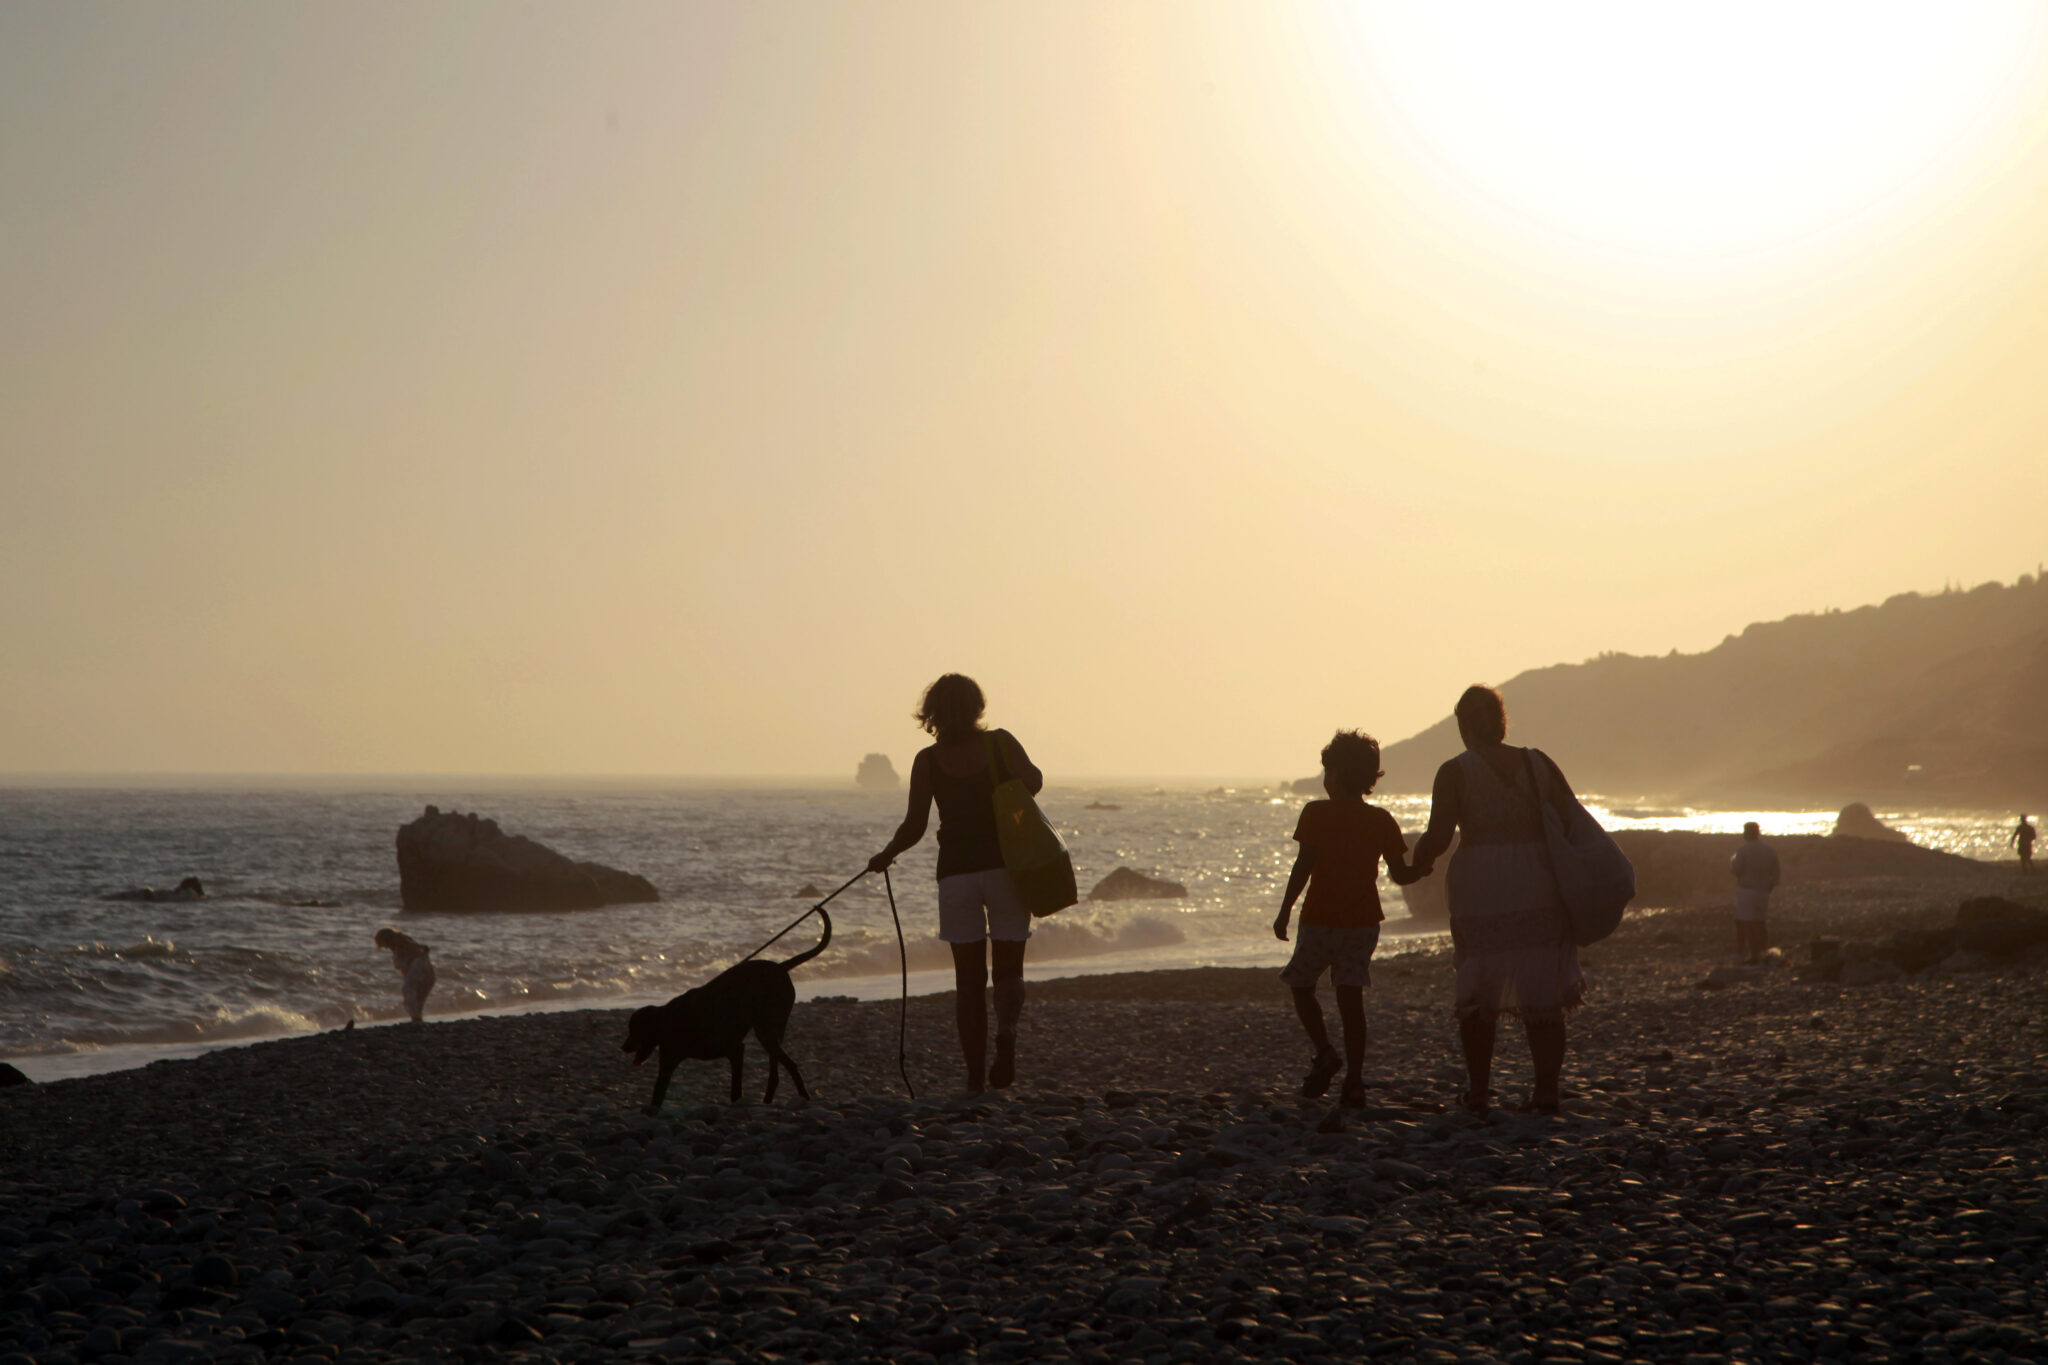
pixel 1697 131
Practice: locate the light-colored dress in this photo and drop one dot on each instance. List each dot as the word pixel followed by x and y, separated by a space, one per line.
pixel 409 956
pixel 1510 935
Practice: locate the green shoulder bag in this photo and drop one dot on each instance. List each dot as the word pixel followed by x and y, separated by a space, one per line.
pixel 1038 862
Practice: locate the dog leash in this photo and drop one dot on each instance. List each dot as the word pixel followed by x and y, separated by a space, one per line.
pixel 805 915
pixel 903 1000
pixel 902 961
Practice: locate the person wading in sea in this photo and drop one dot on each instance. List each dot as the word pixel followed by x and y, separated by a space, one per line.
pixel 978 901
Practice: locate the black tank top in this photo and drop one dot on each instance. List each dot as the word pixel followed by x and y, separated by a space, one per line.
pixel 967 821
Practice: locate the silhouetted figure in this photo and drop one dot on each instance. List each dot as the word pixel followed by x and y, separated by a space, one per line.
pixel 409 957
pixel 977 898
pixel 1510 934
pixel 2023 840
pixel 1755 868
pixel 1342 841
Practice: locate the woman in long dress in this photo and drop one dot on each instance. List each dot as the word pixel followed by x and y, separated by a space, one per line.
pixel 1510 934
pixel 978 900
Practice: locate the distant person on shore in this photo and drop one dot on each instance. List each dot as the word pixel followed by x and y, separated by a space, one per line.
pixel 409 957
pixel 978 901
pixel 1511 937
pixel 1342 841
pixel 2023 840
pixel 1755 867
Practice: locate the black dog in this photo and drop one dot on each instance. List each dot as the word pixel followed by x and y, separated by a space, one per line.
pixel 714 1020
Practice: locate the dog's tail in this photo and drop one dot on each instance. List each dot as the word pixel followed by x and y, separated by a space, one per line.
pixel 807 954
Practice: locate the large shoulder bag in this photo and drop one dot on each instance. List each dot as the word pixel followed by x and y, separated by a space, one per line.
pixel 1594 877
pixel 1038 862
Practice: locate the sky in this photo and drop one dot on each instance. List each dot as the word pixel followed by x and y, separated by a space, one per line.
pixel 607 388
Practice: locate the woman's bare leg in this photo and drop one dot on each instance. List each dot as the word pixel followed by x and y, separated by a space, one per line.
pixel 1008 969
pixel 970 1008
pixel 1476 1034
pixel 1546 1051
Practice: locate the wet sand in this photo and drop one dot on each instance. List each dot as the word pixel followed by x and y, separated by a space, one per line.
pixel 1776 1170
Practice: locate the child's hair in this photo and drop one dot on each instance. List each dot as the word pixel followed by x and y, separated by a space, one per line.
pixel 1353 758
pixel 1483 715
pixel 389 938
pixel 952 707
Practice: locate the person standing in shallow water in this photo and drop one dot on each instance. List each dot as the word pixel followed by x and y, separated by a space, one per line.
pixel 1510 933
pixel 2023 840
pixel 1755 867
pixel 409 957
pixel 978 901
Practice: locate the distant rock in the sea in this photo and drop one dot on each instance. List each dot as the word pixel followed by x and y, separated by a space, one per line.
pixel 11 1075
pixel 877 773
pixel 808 892
pixel 465 862
pixel 1101 805
pixel 1307 786
pixel 1126 885
pixel 188 890
pixel 1857 821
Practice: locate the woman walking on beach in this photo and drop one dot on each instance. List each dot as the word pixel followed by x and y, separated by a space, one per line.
pixel 409 957
pixel 977 899
pixel 1510 935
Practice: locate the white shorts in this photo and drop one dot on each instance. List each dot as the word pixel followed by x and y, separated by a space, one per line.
pixel 1750 905
pixel 978 905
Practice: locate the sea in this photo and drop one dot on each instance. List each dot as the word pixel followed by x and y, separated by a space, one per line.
pixel 299 876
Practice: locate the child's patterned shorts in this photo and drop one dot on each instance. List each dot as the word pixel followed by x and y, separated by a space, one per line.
pixel 1346 954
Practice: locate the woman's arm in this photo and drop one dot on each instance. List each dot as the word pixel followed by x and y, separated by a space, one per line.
pixel 1444 801
pixel 1403 873
pixel 1020 763
pixel 915 818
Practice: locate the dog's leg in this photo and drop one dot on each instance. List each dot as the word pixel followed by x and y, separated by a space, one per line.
pixel 772 1043
pixel 774 1070
pixel 739 1066
pixel 661 1079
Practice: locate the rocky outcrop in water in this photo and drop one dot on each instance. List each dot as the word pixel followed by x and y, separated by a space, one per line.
pixel 877 773
pixel 465 862
pixel 191 889
pixel 1126 885
pixel 1858 821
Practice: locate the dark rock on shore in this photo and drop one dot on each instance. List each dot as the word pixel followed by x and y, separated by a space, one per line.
pixel 465 862
pixel 190 889
pixel 877 773
pixel 1126 885
pixel 1858 821
pixel 10 1074
pixel 1680 867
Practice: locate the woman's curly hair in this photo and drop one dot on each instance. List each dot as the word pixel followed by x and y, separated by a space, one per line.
pixel 1353 758
pixel 952 707
pixel 1483 715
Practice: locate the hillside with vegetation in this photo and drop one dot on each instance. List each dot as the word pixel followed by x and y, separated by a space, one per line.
pixel 1930 700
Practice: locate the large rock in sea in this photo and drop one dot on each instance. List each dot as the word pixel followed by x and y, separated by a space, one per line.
pixel 877 773
pixel 1857 821
pixel 465 862
pixel 1126 885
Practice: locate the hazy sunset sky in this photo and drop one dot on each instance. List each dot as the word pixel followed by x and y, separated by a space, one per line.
pixel 677 388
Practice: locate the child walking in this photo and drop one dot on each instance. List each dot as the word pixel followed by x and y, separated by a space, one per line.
pixel 1342 841
pixel 409 956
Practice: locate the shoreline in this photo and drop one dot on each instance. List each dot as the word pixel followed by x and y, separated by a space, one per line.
pixel 1226 952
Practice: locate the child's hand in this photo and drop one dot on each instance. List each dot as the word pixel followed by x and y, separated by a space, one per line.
pixel 1280 925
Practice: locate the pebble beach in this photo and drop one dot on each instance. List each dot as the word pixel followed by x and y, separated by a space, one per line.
pixel 1776 1169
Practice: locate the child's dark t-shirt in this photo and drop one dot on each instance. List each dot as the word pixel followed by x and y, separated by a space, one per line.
pixel 1350 838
